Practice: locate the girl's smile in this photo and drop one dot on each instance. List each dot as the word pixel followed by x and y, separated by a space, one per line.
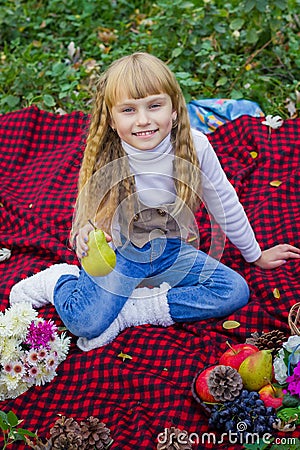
pixel 143 123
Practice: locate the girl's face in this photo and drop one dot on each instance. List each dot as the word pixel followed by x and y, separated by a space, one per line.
pixel 145 122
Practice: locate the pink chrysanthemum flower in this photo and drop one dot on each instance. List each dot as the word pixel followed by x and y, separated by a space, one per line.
pixel 294 381
pixel 40 334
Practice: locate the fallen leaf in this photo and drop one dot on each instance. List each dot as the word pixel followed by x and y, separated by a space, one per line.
pixel 71 49
pixel 275 183
pixel 253 154
pixel 276 293
pixel 124 356
pixel 5 254
pixel 273 121
pixel 231 324
pixel 291 107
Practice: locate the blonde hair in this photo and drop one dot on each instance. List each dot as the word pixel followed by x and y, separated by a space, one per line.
pixel 137 75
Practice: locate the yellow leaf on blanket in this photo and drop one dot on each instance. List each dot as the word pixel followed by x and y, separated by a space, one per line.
pixel 275 183
pixel 230 324
pixel 253 154
pixel 276 293
pixel 124 356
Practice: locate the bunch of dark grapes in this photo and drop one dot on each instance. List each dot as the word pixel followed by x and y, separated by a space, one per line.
pixel 246 414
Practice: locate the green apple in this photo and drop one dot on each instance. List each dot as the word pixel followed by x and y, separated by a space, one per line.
pixel 100 259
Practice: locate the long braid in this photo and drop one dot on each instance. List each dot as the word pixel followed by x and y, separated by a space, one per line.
pixel 186 166
pixel 103 171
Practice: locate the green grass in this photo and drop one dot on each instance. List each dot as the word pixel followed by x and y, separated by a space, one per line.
pixel 52 51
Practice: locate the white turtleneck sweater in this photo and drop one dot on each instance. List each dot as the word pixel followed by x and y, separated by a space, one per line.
pixel 153 173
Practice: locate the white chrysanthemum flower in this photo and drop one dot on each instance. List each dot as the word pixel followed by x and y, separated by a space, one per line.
pixel 30 375
pixel 33 371
pixel 293 346
pixel 4 328
pixel 42 353
pixel 18 369
pixel 44 376
pixel 10 350
pixel 32 357
pixel 3 389
pixel 292 343
pixel 51 361
pixel 11 380
pixel 280 369
pixel 18 390
pixel 18 317
pixel 61 346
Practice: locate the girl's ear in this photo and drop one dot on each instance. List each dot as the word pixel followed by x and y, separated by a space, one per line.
pixel 174 115
pixel 112 123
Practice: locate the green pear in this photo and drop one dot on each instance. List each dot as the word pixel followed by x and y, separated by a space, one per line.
pixel 101 259
pixel 256 370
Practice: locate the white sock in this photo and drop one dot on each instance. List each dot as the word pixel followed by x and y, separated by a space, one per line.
pixel 38 289
pixel 144 306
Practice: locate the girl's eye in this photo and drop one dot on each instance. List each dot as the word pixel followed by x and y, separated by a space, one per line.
pixel 127 110
pixel 155 105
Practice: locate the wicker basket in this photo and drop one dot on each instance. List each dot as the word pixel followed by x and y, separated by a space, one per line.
pixel 294 319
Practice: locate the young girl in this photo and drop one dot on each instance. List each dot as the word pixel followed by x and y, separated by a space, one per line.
pixel 143 174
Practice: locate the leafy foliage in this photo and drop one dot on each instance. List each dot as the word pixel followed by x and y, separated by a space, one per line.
pixel 9 424
pixel 51 51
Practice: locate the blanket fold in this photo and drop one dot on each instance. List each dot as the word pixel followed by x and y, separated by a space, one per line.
pixel 138 398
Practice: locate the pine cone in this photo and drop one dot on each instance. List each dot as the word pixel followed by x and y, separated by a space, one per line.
pixel 272 340
pixel 174 439
pixel 66 434
pixel 95 434
pixel 39 444
pixel 224 383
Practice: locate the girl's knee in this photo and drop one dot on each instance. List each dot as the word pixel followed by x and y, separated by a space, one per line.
pixel 240 291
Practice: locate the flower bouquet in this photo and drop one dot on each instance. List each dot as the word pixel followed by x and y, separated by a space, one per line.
pixel 30 350
pixel 287 374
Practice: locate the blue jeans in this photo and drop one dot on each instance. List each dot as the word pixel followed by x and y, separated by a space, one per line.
pixel 201 287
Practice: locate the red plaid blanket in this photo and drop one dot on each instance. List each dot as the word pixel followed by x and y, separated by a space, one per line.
pixel 138 398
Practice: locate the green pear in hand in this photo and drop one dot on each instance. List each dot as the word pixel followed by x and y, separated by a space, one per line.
pixel 101 259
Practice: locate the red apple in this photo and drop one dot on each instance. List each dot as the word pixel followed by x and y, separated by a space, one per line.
pixel 271 395
pixel 236 354
pixel 201 387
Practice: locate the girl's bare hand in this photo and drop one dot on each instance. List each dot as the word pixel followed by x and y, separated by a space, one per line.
pixel 82 238
pixel 276 256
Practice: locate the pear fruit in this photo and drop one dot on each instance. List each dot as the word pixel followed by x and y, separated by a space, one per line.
pixel 101 258
pixel 256 370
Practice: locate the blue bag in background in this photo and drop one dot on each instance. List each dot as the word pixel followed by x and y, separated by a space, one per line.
pixel 208 114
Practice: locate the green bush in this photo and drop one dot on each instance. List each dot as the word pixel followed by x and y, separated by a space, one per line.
pixel 51 51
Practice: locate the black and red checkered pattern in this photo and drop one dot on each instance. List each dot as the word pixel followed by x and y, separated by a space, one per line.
pixel 138 398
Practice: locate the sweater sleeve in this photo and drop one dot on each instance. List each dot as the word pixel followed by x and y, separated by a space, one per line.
pixel 221 200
